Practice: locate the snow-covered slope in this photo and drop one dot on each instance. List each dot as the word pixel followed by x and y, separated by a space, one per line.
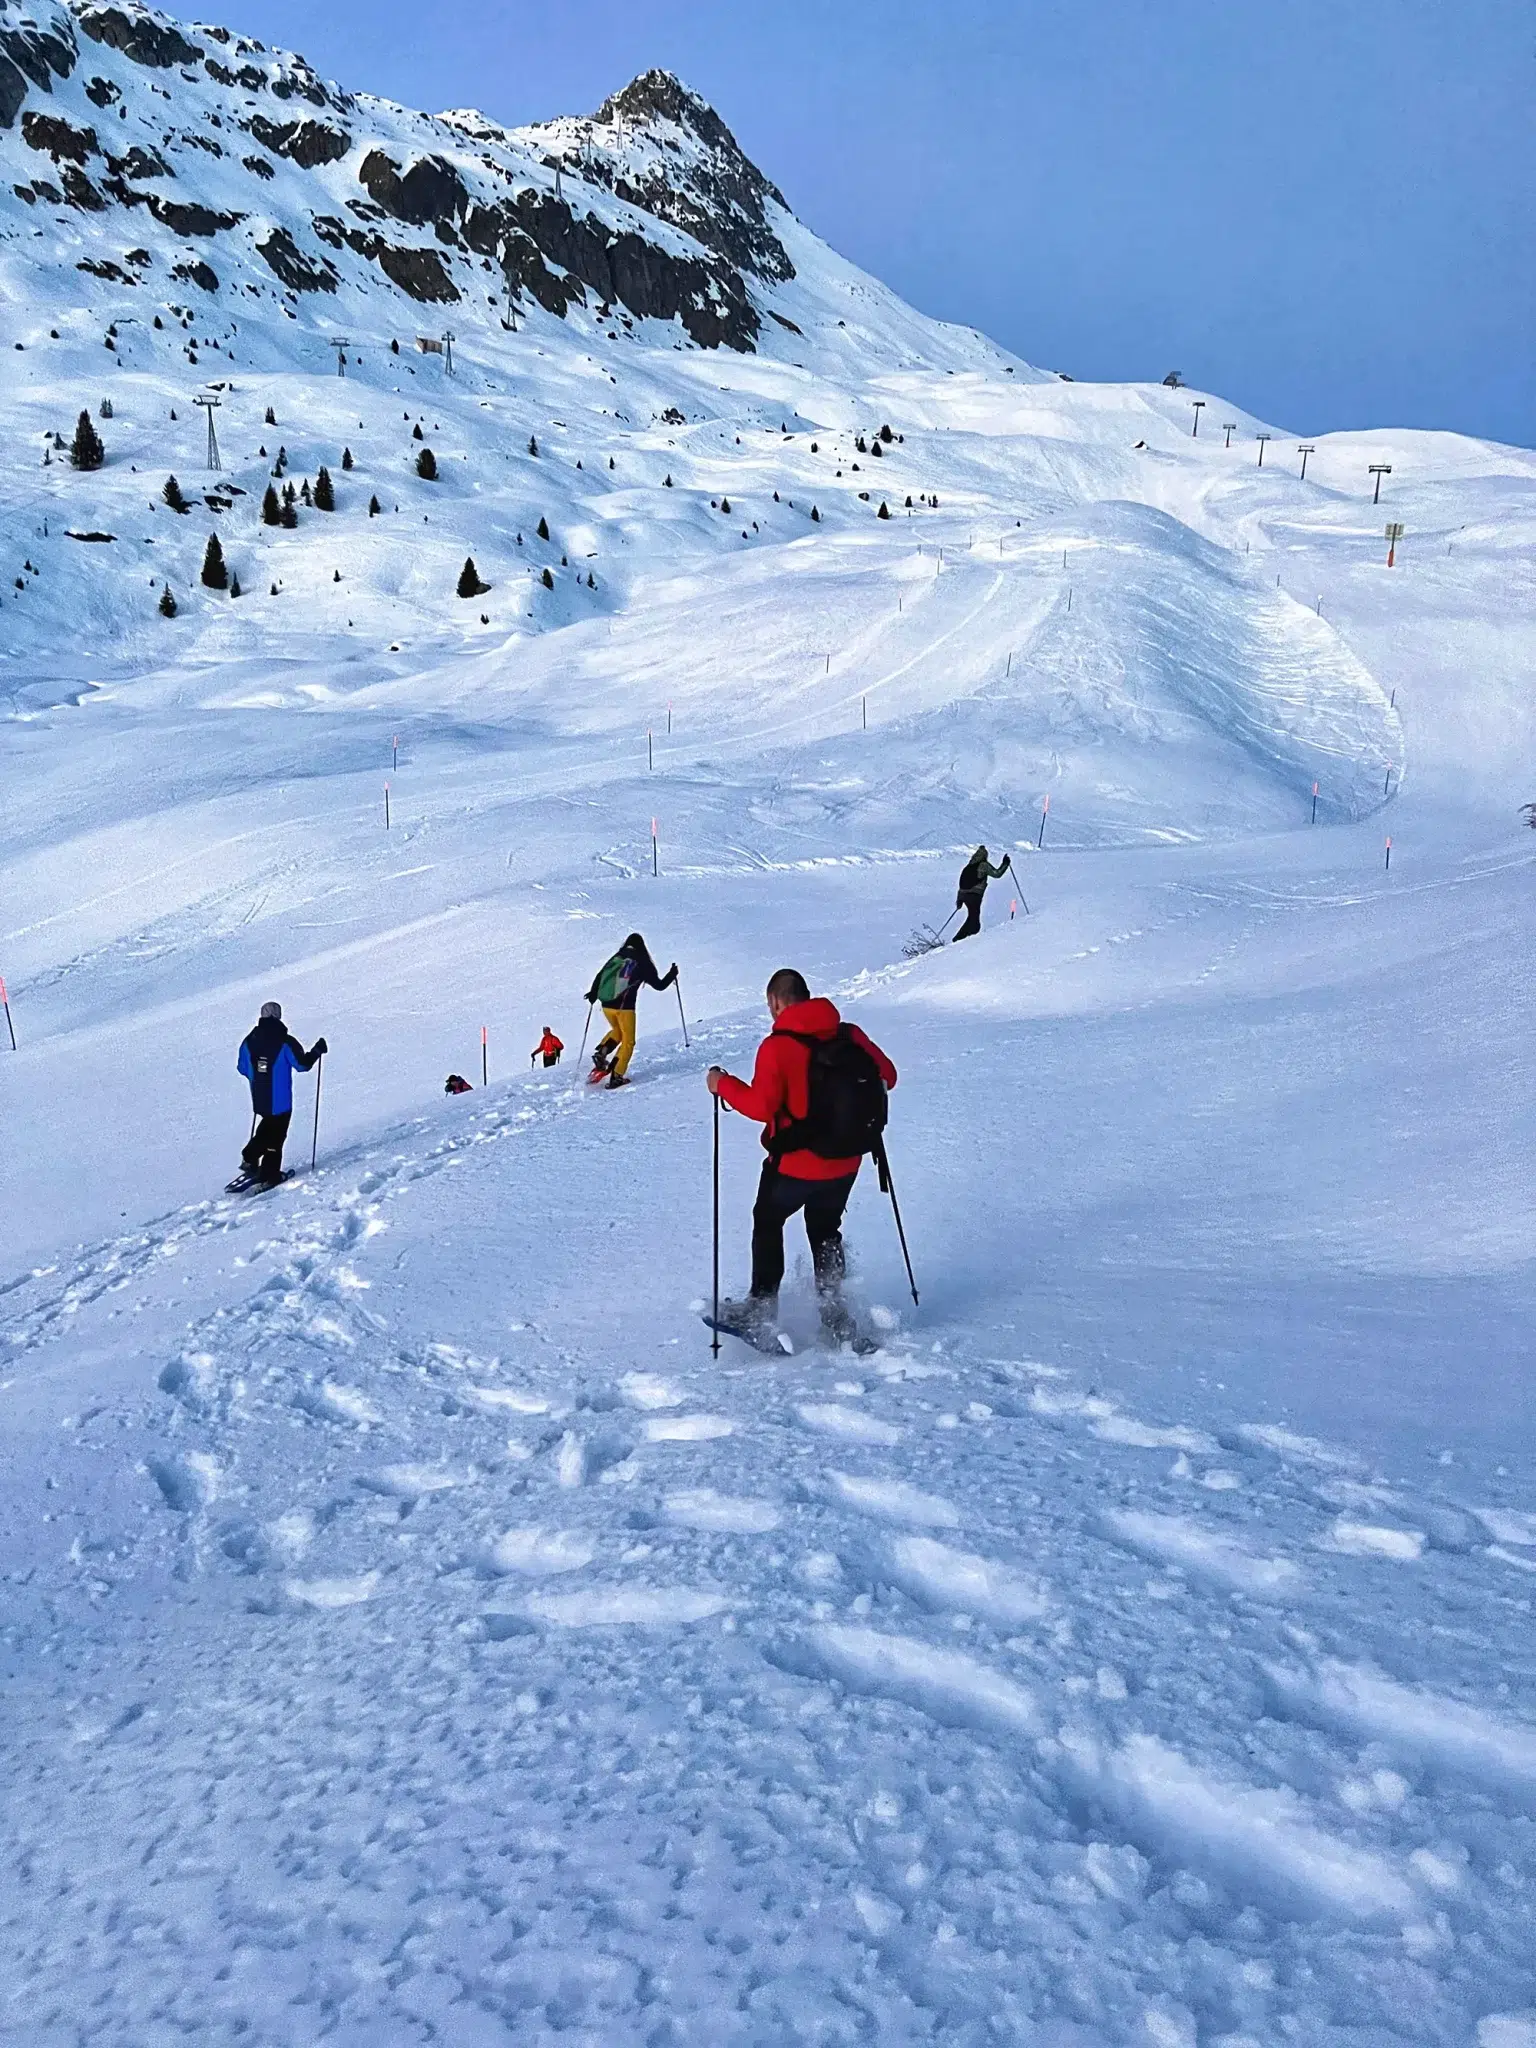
pixel 408 1631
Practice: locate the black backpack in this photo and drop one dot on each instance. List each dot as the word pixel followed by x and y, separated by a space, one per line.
pixel 848 1107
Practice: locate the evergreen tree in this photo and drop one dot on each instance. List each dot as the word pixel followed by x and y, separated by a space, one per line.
pixel 172 495
pixel 290 516
pixel 106 408
pixel 858 442
pixel 304 492
pixel 533 444
pixel 591 581
pixel 167 603
pixel 548 580
pixel 667 479
pixel 234 584
pixel 374 508
pixel 542 529
pixel 215 575
pixel 885 510
pixel 335 575
pixel 86 451
pixel 426 465
pixel 469 579
pixel 909 503
pixel 610 462
pixel 816 515
pixel 875 448
pixel 346 458
pixel 725 504
pixel 271 417
pixel 886 435
pixel 271 510
pixel 325 494
pixel 416 433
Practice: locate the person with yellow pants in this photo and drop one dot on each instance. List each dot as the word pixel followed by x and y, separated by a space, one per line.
pixel 617 987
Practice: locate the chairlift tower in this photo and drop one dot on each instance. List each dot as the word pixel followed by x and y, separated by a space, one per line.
pixel 341 344
pixel 1229 428
pixel 1304 449
pixel 210 405
pixel 1197 405
pixel 448 339
pixel 1378 470
pixel 1261 439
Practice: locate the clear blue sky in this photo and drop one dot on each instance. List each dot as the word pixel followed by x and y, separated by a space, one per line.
pixel 1322 209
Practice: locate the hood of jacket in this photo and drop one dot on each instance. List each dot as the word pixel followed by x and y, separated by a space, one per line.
pixel 814 1019
pixel 269 1037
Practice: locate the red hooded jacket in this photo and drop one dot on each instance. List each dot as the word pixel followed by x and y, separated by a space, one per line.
pixel 779 1092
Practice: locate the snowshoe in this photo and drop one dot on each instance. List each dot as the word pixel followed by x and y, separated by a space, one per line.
pixel 839 1327
pixel 746 1320
pixel 248 1184
pixel 924 940
pixel 618 1080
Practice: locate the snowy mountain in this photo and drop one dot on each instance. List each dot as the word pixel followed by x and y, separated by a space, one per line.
pixel 410 1631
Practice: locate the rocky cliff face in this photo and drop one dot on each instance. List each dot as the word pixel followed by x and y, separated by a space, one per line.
pixel 206 157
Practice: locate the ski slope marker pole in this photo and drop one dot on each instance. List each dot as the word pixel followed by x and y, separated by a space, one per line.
pixel 395 744
pixel 888 1186
pixel 581 1055
pixel 1314 803
pixel 650 751
pixel 864 712
pixel 715 1330
pixel 1389 855
pixel 1045 812
pixel 669 721
pixel 386 807
pixel 678 988
pixel 485 1069
pixel 4 998
pixel 655 856
pixel 314 1143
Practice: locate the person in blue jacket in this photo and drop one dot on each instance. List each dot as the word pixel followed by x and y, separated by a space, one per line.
pixel 269 1056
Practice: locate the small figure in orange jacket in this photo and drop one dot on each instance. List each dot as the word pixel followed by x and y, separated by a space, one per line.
pixel 548 1049
pixel 794 1177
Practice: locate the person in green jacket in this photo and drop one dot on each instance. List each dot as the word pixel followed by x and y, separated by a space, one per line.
pixel 973 886
pixel 617 987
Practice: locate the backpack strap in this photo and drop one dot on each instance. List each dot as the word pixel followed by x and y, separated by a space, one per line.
pixel 793 1137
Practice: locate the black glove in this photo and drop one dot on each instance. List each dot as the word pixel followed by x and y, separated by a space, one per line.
pixel 319 1049
pixel 671 975
pixel 592 995
pixel 1007 863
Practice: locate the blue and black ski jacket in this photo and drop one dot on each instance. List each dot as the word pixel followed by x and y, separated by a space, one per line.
pixel 268 1058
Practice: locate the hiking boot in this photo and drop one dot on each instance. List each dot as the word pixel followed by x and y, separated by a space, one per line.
pixel 618 1080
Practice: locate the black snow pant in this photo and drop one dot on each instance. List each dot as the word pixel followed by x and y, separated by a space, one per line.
pixel 263 1156
pixel 971 904
pixel 779 1195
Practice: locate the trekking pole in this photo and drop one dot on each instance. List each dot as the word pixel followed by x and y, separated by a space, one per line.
pixel 584 1030
pixel 888 1187
pixel 314 1143
pixel 683 1019
pixel 4 998
pixel 715 1338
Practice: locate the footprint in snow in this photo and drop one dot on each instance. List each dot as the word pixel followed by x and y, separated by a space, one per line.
pixel 895 1501
pixel 625 1607
pixel 1368 1539
pixel 411 1482
pixel 833 1419
pixel 1172 1540
pixel 956 1582
pixel 542 1553
pixel 648 1390
pixel 686 1429
pixel 332 1593
pixel 702 1508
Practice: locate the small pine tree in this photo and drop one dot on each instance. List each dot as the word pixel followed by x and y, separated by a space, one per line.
pixel 725 504
pixel 304 492
pixel 815 447
pixel 591 581
pixel 469 579
pixel 290 516
pixel 234 584
pixel 858 442
pixel 335 575
pixel 416 433
pixel 886 435
pixel 271 417
pixel 667 479
pixel 374 508
pixel 394 348
pixel 548 580
pixel 875 448
pixel 273 591
pixel 578 462
pixel 167 603
pixel 325 493
pixel 106 408
pixel 610 462
pixel 346 458
pixel 816 515
pixel 215 575
pixel 542 529
pixel 885 510
pixel 426 465
pixel 86 451
pixel 909 504
pixel 271 510
pixel 172 495
pixel 533 444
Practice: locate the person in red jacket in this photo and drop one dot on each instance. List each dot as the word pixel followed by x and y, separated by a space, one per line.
pixel 548 1049
pixel 778 1097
